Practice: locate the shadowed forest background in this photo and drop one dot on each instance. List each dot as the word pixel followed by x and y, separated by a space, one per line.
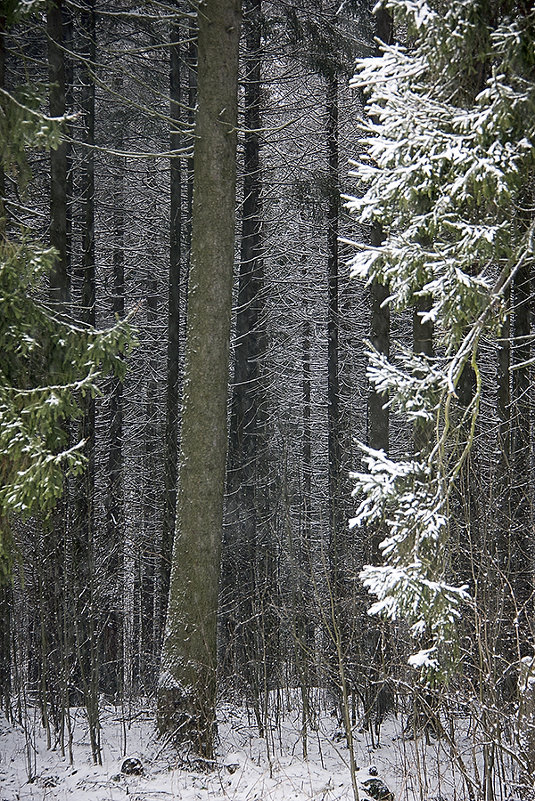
pixel 86 582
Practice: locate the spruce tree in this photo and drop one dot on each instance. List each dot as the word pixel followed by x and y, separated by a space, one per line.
pixel 448 169
pixel 47 364
pixel 187 684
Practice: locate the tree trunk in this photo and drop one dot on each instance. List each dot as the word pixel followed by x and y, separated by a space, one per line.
pixel 113 632
pixel 3 29
pixel 173 331
pixel 521 547
pixel 151 497
pixel 375 643
pixel 336 522
pixel 378 420
pixel 422 338
pixel 191 65
pixel 239 575
pixel 55 576
pixel 59 279
pixel 5 591
pixel 187 691
pixel 84 524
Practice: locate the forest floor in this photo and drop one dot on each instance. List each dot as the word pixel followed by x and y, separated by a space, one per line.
pixel 249 768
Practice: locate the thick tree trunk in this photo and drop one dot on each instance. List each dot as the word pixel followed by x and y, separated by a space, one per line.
pixel 187 691
pixel 191 64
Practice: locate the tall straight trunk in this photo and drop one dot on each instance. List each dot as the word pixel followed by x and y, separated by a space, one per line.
pixel 88 299
pixel 303 600
pixel 3 30
pixel 191 62
pixel 239 575
pixel 375 643
pixel 6 602
pixel 56 658
pixel 378 418
pixel 187 691
pixel 307 339
pixel 307 432
pixel 502 494
pixel 521 547
pixel 114 502
pixel 151 496
pixel 5 590
pixel 504 391
pixel 336 523
pixel 84 524
pixel 59 279
pixel 511 593
pixel 422 339
pixel 173 328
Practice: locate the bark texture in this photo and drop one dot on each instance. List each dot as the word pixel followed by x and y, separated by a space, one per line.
pixel 242 549
pixel 187 692
pixel 378 417
pixel 173 324
pixel 59 279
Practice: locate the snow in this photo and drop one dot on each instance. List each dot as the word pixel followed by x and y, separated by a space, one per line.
pixel 249 768
pixel 424 658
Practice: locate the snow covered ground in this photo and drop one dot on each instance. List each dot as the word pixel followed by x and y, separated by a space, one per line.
pixel 249 768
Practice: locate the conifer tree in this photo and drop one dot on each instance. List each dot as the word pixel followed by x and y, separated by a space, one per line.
pixel 187 686
pixel 47 364
pixel 449 164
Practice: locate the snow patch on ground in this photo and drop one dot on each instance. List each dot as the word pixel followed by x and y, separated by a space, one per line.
pixel 249 768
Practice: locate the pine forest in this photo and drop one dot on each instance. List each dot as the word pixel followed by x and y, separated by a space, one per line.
pixel 267 427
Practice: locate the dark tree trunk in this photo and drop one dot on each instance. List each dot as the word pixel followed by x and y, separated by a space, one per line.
pixel 378 419
pixel 521 546
pixel 113 632
pixel 5 589
pixel 504 391
pixel 375 643
pixel 151 498
pixel 54 569
pixel 59 279
pixel 239 576
pixel 84 523
pixel 422 338
pixel 3 211
pixel 173 330
pixel 187 691
pixel 191 63
pixel 336 517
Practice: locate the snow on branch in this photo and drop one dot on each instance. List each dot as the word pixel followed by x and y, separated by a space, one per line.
pixel 444 166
